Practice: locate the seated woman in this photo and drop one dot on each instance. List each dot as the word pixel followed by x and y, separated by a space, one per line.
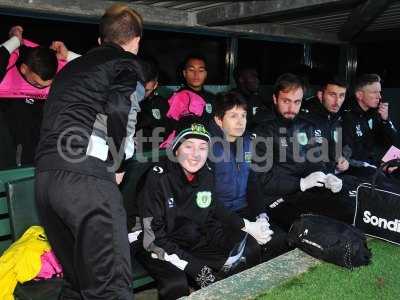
pixel 230 159
pixel 184 243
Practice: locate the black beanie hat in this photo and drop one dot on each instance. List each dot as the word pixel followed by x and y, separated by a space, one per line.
pixel 189 127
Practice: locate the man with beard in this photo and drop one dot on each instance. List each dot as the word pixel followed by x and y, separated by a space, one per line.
pixel 290 175
pixel 323 111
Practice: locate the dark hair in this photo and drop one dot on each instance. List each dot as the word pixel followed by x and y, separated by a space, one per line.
pixel 150 70
pixel 288 81
pixel 193 56
pixel 364 80
pixel 42 61
pixel 227 101
pixel 237 72
pixel 334 80
pixel 120 24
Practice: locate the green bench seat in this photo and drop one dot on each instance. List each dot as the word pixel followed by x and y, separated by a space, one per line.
pixel 17 187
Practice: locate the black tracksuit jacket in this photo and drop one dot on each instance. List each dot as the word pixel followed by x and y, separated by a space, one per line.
pixel 153 114
pixel 328 129
pixel 367 135
pixel 94 98
pixel 280 157
pixel 180 217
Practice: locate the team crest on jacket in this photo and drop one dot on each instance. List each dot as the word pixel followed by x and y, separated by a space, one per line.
pixel 247 157
pixel 156 113
pixel 302 138
pixel 208 108
pixel 203 199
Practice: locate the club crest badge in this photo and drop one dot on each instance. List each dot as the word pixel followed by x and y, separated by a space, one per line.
pixel 247 157
pixel 203 199
pixel 208 108
pixel 302 138
pixel 156 113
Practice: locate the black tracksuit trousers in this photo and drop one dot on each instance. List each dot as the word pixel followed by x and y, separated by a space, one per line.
pixel 85 223
pixel 173 283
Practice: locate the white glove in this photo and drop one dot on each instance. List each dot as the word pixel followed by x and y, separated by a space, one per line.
pixel 262 217
pixel 312 180
pixel 173 259
pixel 333 183
pixel 258 230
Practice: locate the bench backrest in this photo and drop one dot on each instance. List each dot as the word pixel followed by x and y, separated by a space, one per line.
pixel 21 205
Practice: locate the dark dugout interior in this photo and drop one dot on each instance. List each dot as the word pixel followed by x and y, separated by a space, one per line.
pixel 271 57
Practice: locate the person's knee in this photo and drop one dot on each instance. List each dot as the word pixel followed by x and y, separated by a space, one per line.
pixel 277 245
pixel 252 252
pixel 174 287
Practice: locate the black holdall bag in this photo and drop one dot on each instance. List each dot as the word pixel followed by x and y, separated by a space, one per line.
pixel 378 206
pixel 330 240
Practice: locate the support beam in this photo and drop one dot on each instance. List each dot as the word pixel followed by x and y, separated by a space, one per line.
pixel 158 17
pixel 361 17
pixel 269 11
pixel 93 10
pixel 281 32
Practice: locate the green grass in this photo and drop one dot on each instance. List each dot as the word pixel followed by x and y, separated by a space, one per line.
pixel 379 280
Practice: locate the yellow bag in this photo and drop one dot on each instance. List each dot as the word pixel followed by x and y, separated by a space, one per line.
pixel 21 261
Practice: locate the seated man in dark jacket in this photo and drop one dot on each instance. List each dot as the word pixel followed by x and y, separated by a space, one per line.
pixel 248 85
pixel 324 111
pixel 184 242
pixel 367 128
pixel 152 118
pixel 290 172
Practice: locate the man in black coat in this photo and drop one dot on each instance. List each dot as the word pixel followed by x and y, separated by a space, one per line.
pixel 291 175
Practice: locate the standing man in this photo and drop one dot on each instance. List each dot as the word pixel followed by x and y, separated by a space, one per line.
pixel 26 72
pixel 90 114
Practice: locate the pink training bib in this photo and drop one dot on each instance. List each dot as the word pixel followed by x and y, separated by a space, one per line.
pixel 14 85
